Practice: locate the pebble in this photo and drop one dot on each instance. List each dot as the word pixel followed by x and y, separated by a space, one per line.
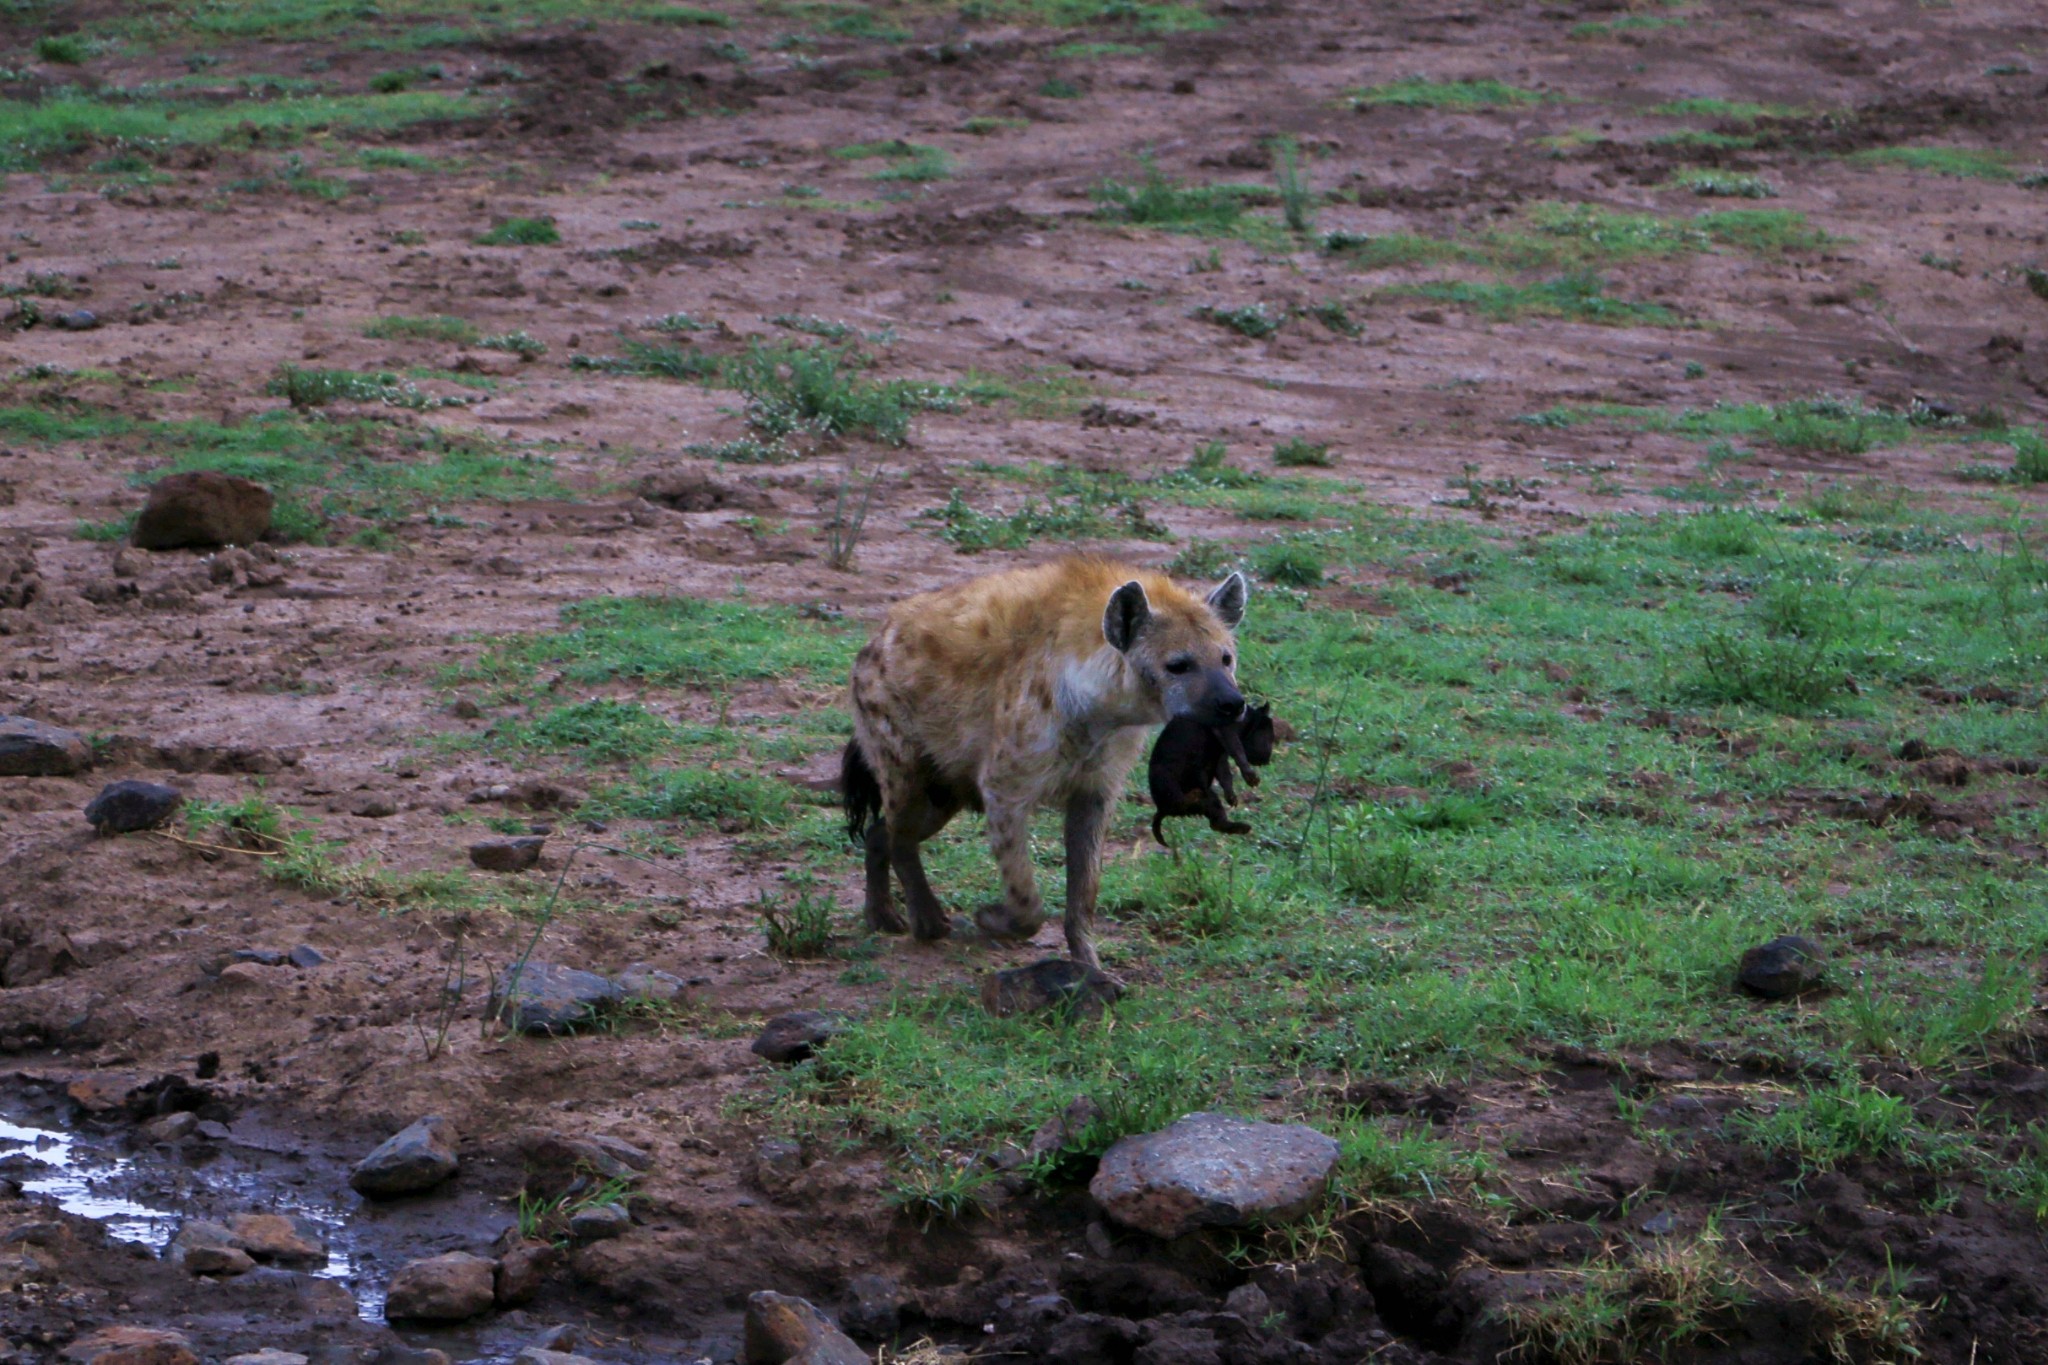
pixel 507 855
pixel 128 806
pixel 1786 966
pixel 795 1036
pixel 416 1158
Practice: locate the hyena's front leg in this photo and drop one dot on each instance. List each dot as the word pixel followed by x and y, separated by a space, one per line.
pixel 1087 816
pixel 1009 836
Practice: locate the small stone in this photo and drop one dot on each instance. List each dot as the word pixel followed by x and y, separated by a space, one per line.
pixel 169 1127
pixel 210 1131
pixel 535 1355
pixel 262 957
pixel 777 1164
pixel 642 982
pixel 279 1239
pixel 78 320
pixel 876 1310
pixel 445 1288
pixel 417 1158
pixel 1054 983
pixel 507 855
pixel 131 1346
pixel 599 1222
pixel 541 997
pixel 794 1036
pixel 128 806
pixel 269 1355
pixel 29 748
pixel 203 508
pixel 372 806
pixel 1249 1302
pixel 305 956
pixel 1214 1170
pixel 398 1353
pixel 1661 1224
pixel 250 975
pixel 1786 966
pixel 782 1327
pixel 465 709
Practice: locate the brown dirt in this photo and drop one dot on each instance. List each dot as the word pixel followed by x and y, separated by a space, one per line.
pixel 321 684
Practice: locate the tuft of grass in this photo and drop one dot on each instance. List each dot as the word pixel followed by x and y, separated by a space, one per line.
pixel 941 1190
pixel 666 642
pixel 730 800
pixel 1825 1126
pixel 1714 184
pixel 794 389
pixel 1079 516
pixel 1732 111
pixel 435 327
pixel 1255 320
pixel 910 162
pixel 1963 163
pixel 522 344
pixel 63 49
pixel 686 15
pixel 1289 563
pixel 521 232
pixel 1382 871
pixel 317 388
pixel 1417 93
pixel 1160 200
pixel 1297 200
pixel 1581 297
pixel 798 930
pixel 1297 452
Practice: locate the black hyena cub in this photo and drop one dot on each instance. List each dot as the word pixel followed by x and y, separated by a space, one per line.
pixel 1191 760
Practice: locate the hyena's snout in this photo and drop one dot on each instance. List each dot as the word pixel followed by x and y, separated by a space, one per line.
pixel 1226 703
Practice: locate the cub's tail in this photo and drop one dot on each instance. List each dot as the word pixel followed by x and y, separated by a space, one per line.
pixel 1157 832
pixel 859 791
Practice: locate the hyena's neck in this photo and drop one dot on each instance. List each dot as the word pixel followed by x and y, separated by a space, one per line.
pixel 1104 692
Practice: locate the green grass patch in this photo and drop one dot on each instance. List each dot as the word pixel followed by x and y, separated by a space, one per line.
pixel 1417 93
pixel 1964 163
pixel 1730 111
pixel 521 232
pixel 398 327
pixel 669 642
pixel 1578 297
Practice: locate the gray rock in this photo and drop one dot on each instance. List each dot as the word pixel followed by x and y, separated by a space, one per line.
pixel 522 1266
pixel 794 1036
pixel 262 957
pixel 781 1328
pixel 78 320
pixel 507 855
pixel 305 956
pixel 445 1288
pixel 130 1346
pixel 875 1309
pixel 203 508
pixel 207 1248
pixel 1214 1170
pixel 127 806
pixel 1066 1127
pixel 416 1158
pixel 643 982
pixel 777 1164
pixel 600 1222
pixel 1784 967
pixel 535 1355
pixel 279 1239
pixel 1054 983
pixel 29 748
pixel 269 1355
pixel 169 1127
pixel 1249 1302
pixel 541 997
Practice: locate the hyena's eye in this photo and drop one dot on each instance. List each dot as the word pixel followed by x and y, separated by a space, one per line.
pixel 1226 661
pixel 1179 665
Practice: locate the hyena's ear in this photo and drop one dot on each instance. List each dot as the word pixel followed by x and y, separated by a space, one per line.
pixel 1227 600
pixel 1129 609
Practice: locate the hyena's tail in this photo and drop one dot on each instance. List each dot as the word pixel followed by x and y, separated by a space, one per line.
pixel 1157 832
pixel 859 791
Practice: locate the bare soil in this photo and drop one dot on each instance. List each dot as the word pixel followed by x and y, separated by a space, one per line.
pixel 321 688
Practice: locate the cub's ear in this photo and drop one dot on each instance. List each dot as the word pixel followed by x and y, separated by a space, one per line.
pixel 1227 600
pixel 1129 609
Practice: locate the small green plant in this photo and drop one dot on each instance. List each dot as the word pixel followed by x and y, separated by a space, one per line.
pixel 688 15
pixel 318 388
pixel 1060 88
pixel 1297 200
pixel 63 49
pixel 681 322
pixel 1456 95
pixel 1289 563
pixel 1723 184
pixel 459 331
pixel 522 344
pixel 1334 315
pixel 1298 452
pixel 1159 200
pixel 942 1189
pixel 799 929
pixel 1255 320
pixel 521 232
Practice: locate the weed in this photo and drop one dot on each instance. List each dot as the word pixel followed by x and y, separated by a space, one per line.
pixel 909 161
pixel 521 232
pixel 1458 95
pixel 681 322
pixel 1298 452
pixel 746 450
pixel 1255 320
pixel 1381 871
pixel 63 49
pixel 1580 297
pixel 798 930
pixel 687 15
pixel 944 1189
pixel 730 800
pixel 1964 163
pixel 1723 184
pixel 1060 88
pixel 1334 315
pixel 987 126
pixel 1732 111
pixel 1297 200
pixel 1081 516
pixel 794 389
pixel 317 388
pixel 1823 1127
pixel 852 498
pixel 1289 563
pixel 1159 200
pixel 458 331
pixel 522 344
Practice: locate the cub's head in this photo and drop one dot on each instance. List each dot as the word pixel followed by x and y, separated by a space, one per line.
pixel 1182 647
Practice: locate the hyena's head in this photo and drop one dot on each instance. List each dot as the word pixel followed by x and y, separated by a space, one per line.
pixel 1182 647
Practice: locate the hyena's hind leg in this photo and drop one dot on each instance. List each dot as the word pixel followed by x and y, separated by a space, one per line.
pixel 922 813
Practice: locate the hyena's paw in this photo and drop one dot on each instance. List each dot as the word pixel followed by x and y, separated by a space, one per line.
pixel 886 919
pixel 1004 924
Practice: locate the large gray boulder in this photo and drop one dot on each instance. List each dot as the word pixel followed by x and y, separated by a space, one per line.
pixel 541 997
pixel 1214 1171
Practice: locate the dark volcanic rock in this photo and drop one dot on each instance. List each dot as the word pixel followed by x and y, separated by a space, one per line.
pixel 1785 966
pixel 203 508
pixel 1055 983
pixel 417 1158
pixel 305 956
pixel 29 748
pixel 794 1036
pixel 541 997
pixel 782 1327
pixel 1213 1170
pixel 127 806
pixel 507 855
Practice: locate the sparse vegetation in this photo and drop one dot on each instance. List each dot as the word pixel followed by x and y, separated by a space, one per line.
pixel 521 232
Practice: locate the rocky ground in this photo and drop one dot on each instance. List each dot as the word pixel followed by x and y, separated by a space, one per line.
pixel 241 1018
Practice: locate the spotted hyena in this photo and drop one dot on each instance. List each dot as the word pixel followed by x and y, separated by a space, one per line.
pixel 1023 689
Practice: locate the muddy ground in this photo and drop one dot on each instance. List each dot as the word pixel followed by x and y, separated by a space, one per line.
pixel 324 686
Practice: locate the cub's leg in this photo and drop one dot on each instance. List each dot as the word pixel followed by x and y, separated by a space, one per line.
pixel 1219 818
